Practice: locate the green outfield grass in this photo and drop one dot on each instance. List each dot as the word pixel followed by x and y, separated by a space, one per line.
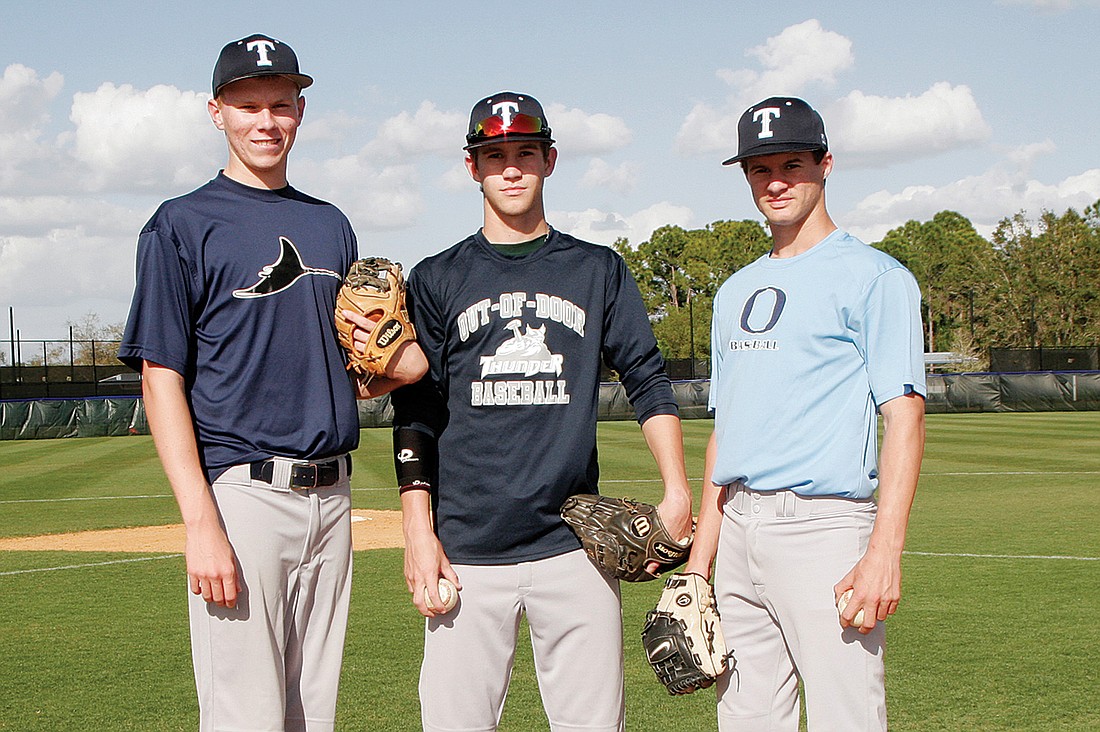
pixel 998 627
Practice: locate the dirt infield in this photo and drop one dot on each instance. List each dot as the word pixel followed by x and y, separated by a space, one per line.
pixel 369 530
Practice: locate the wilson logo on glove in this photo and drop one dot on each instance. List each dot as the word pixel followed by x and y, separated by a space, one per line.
pixel 641 526
pixel 389 331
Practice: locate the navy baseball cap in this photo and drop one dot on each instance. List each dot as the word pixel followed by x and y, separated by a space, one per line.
pixel 257 55
pixel 507 117
pixel 777 125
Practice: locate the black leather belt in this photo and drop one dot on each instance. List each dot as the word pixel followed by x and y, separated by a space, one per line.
pixel 303 475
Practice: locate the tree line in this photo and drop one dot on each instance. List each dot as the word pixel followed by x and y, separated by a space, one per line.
pixel 1032 283
pixel 91 342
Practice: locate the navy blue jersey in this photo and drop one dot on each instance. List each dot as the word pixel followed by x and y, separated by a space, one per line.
pixel 236 290
pixel 515 347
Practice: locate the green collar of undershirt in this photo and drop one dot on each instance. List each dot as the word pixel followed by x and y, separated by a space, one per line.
pixel 519 250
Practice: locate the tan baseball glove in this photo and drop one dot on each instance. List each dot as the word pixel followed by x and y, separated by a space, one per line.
pixel 374 288
pixel 683 638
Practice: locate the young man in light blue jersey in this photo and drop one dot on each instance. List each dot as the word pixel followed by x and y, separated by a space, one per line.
pixel 809 344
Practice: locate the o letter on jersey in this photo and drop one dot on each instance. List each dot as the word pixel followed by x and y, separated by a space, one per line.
pixel 778 300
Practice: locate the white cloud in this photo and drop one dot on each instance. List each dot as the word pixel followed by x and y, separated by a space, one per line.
pixel 707 130
pixel 1053 6
pixel 579 133
pixel 604 227
pixel 985 199
pixel 159 139
pixel 374 199
pixel 1024 155
pixel 332 127
pixel 26 162
pixel 620 179
pixel 800 55
pixel 428 131
pixel 30 166
pixel 34 216
pixel 871 130
pixel 24 97
pixel 456 179
pixel 76 264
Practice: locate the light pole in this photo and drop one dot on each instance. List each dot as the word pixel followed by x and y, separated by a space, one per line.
pixel 691 333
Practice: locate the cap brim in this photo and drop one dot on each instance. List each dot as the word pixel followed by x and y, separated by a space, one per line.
pixel 759 150
pixel 300 79
pixel 507 138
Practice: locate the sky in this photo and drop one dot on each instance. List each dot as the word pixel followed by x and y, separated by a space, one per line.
pixel 985 107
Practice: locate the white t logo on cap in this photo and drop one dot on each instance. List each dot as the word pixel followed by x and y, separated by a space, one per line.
pixel 765 116
pixel 261 47
pixel 506 110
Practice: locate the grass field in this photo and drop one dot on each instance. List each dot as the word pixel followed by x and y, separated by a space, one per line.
pixel 998 628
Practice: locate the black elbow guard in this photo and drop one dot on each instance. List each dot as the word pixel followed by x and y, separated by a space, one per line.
pixel 415 459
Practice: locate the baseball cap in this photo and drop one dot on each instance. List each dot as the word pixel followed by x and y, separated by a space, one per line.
pixel 776 125
pixel 507 117
pixel 257 55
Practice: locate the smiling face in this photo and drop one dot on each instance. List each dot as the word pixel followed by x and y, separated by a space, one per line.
pixel 260 118
pixel 511 175
pixel 788 188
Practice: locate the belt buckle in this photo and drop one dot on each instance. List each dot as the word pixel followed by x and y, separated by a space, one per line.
pixel 301 471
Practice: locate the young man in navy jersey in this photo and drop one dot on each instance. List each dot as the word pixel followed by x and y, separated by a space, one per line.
pixel 251 408
pixel 515 321
pixel 809 344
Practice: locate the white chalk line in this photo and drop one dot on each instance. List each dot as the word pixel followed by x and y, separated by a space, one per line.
pixel 1002 556
pixel 920 554
pixel 84 498
pixel 128 498
pixel 92 564
pixel 609 481
pixel 1021 472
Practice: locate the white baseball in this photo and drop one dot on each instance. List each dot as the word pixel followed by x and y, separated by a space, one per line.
pixel 843 603
pixel 448 593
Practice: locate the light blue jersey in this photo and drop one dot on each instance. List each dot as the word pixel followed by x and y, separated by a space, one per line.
pixel 802 351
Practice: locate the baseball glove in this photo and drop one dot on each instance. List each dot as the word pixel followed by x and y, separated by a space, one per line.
pixel 682 636
pixel 374 288
pixel 623 536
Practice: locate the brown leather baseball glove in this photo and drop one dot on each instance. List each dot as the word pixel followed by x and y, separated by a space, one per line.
pixel 623 536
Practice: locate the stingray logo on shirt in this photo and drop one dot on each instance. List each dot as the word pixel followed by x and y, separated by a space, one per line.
pixel 287 269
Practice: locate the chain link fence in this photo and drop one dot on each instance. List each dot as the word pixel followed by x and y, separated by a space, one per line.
pixel 46 369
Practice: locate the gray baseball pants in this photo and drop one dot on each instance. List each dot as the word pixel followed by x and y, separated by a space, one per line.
pixel 273 663
pixel 575 617
pixel 779 556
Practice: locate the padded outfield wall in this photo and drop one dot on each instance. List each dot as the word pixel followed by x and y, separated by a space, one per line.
pixel 1011 392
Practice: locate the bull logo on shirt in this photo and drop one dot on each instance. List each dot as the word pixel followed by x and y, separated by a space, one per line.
pixel 524 353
